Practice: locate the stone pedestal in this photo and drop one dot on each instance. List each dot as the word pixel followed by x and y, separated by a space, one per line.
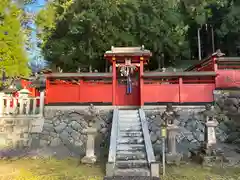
pixel 172 156
pixel 212 156
pixel 90 157
pixel 210 137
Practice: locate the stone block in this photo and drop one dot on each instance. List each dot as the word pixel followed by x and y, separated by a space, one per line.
pixel 76 135
pixel 48 127
pixel 35 142
pixel 109 169
pixel 56 122
pixel 36 129
pixel 43 143
pixel 89 160
pixel 69 129
pixel 3 140
pixel 59 128
pixel 53 134
pixel 44 137
pixel 173 158
pixel 212 161
pixel 64 136
pixel 55 142
pixel 9 129
pixel 22 122
pixel 154 170
pixel 76 126
pixel 37 125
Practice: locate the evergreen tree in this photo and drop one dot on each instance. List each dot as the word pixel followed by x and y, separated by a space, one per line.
pixel 13 57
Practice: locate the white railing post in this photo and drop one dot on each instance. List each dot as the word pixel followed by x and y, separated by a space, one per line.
pixel 8 105
pixel 27 104
pixel 34 105
pixel 15 105
pixel 21 105
pixel 1 103
pixel 41 106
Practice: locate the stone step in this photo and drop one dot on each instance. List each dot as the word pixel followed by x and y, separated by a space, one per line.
pixel 130 147
pixel 128 111
pixel 131 134
pixel 132 172
pixel 136 128
pixel 129 122
pixel 130 152
pixel 126 126
pixel 130 140
pixel 128 116
pixel 132 164
pixel 126 156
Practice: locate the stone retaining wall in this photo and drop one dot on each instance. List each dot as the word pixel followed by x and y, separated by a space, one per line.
pixel 191 134
pixel 66 127
pixel 59 131
pixel 228 108
pixel 15 131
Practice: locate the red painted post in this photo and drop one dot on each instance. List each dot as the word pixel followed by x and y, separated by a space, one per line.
pixel 215 68
pixel 46 91
pixel 114 81
pixel 180 89
pixel 81 84
pixel 214 64
pixel 141 81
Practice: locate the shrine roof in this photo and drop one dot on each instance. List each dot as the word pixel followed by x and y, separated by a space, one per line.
pixel 128 51
pixel 218 54
pixel 179 74
pixel 79 75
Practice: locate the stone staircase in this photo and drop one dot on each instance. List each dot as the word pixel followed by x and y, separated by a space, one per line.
pixel 130 151
pixel 131 158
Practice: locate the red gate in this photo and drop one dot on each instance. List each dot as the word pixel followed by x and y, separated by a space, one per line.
pixel 124 99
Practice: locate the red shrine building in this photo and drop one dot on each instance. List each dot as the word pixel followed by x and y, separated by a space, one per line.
pixel 129 85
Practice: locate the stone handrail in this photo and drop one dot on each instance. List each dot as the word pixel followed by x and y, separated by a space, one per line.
pixel 113 138
pixel 147 140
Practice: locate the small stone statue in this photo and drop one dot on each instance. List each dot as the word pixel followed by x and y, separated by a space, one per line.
pixel 169 115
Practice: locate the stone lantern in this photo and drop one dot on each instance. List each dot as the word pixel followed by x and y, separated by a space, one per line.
pixel 169 116
pixel 90 157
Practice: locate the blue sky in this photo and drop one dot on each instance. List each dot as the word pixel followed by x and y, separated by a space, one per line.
pixel 35 56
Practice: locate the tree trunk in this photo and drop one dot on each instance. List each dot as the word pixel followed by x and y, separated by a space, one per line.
pixel 90 68
pixel 106 66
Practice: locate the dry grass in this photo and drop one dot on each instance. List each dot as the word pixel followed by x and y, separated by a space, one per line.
pixel 196 172
pixel 70 169
pixel 48 169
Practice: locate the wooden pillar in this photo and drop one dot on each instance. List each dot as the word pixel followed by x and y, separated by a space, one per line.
pixel 141 81
pixel 180 89
pixel 46 91
pixel 81 82
pixel 114 81
pixel 215 68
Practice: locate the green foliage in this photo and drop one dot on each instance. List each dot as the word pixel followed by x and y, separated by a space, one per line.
pixel 13 58
pixel 77 33
pixel 229 28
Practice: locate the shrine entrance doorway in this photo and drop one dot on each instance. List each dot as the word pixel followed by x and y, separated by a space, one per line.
pixel 127 74
pixel 128 88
